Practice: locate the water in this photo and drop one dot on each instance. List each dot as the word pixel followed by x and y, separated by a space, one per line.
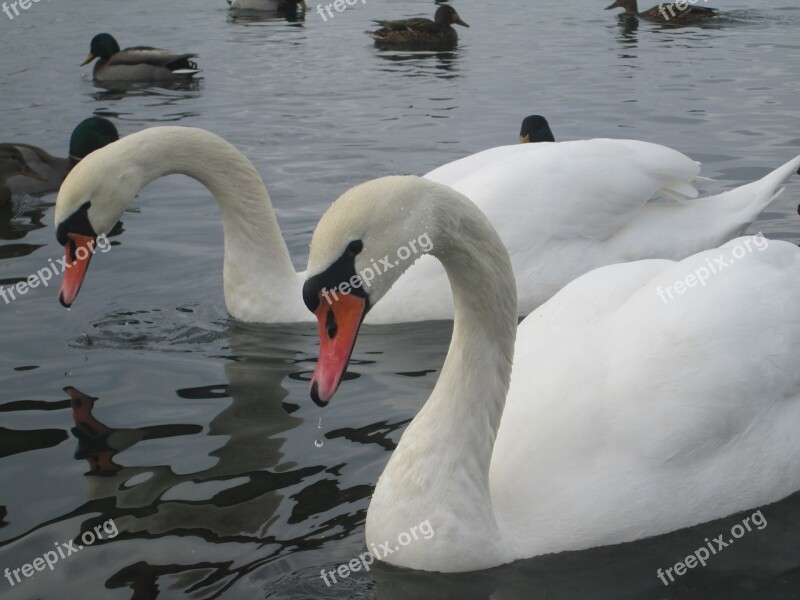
pixel 206 449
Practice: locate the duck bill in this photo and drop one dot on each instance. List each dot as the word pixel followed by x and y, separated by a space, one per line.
pixel 78 251
pixel 89 59
pixel 338 323
pixel 458 21
pixel 611 6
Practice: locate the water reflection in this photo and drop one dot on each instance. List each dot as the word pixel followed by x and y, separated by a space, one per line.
pixel 115 90
pixel 443 65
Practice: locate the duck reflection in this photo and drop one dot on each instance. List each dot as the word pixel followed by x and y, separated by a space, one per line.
pixel 116 90
pixel 442 65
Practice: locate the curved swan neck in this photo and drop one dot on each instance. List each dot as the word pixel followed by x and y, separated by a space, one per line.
pixel 441 465
pixel 257 263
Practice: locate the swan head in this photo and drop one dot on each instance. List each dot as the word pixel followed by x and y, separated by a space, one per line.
pixel 361 246
pixel 90 203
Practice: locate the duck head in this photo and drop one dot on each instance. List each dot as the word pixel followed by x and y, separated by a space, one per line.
pixel 535 128
pixel 630 6
pixel 91 134
pixel 447 15
pixel 103 46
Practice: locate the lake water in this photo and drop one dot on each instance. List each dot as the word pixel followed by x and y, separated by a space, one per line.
pixel 222 478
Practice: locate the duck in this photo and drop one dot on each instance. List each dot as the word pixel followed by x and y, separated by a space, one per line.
pixel 563 209
pixel 535 128
pixel 580 427
pixel 420 33
pixel 89 135
pixel 279 6
pixel 12 164
pixel 140 63
pixel 667 13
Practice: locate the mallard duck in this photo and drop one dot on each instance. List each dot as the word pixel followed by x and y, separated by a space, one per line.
pixel 140 63
pixel 88 136
pixel 668 13
pixel 535 128
pixel 12 163
pixel 279 6
pixel 420 33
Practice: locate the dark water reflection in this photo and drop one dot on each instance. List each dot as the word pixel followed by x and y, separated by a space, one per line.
pixel 145 404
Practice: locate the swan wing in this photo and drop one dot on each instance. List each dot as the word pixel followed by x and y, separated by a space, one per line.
pixel 638 383
pixel 588 188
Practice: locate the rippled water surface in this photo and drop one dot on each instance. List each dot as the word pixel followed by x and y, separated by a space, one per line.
pixel 147 405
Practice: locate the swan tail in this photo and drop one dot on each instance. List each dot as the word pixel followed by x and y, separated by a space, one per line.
pixel 757 196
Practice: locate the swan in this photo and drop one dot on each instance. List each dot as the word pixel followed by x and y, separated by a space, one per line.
pixel 575 225
pixel 625 416
pixel 563 209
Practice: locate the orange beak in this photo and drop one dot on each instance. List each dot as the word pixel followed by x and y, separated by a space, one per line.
pixel 78 251
pixel 338 322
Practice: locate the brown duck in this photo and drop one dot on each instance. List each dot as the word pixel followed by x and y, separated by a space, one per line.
pixel 666 13
pixel 420 33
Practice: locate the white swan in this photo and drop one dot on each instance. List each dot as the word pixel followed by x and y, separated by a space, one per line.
pixel 626 416
pixel 562 210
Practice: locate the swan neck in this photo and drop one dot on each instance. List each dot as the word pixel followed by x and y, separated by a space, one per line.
pixel 257 262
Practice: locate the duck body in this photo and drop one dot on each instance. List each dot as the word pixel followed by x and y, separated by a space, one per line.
pixel 12 164
pixel 420 33
pixel 89 135
pixel 278 6
pixel 623 417
pixel 139 63
pixel 666 13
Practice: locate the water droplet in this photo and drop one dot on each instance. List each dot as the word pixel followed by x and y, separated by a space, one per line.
pixel 68 374
pixel 319 425
pixel 318 443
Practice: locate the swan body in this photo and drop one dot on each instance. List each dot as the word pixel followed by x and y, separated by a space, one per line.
pixel 555 224
pixel 624 417
pixel 563 209
pixel 140 63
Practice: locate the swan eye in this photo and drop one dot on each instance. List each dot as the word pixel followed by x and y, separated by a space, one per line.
pixel 355 247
